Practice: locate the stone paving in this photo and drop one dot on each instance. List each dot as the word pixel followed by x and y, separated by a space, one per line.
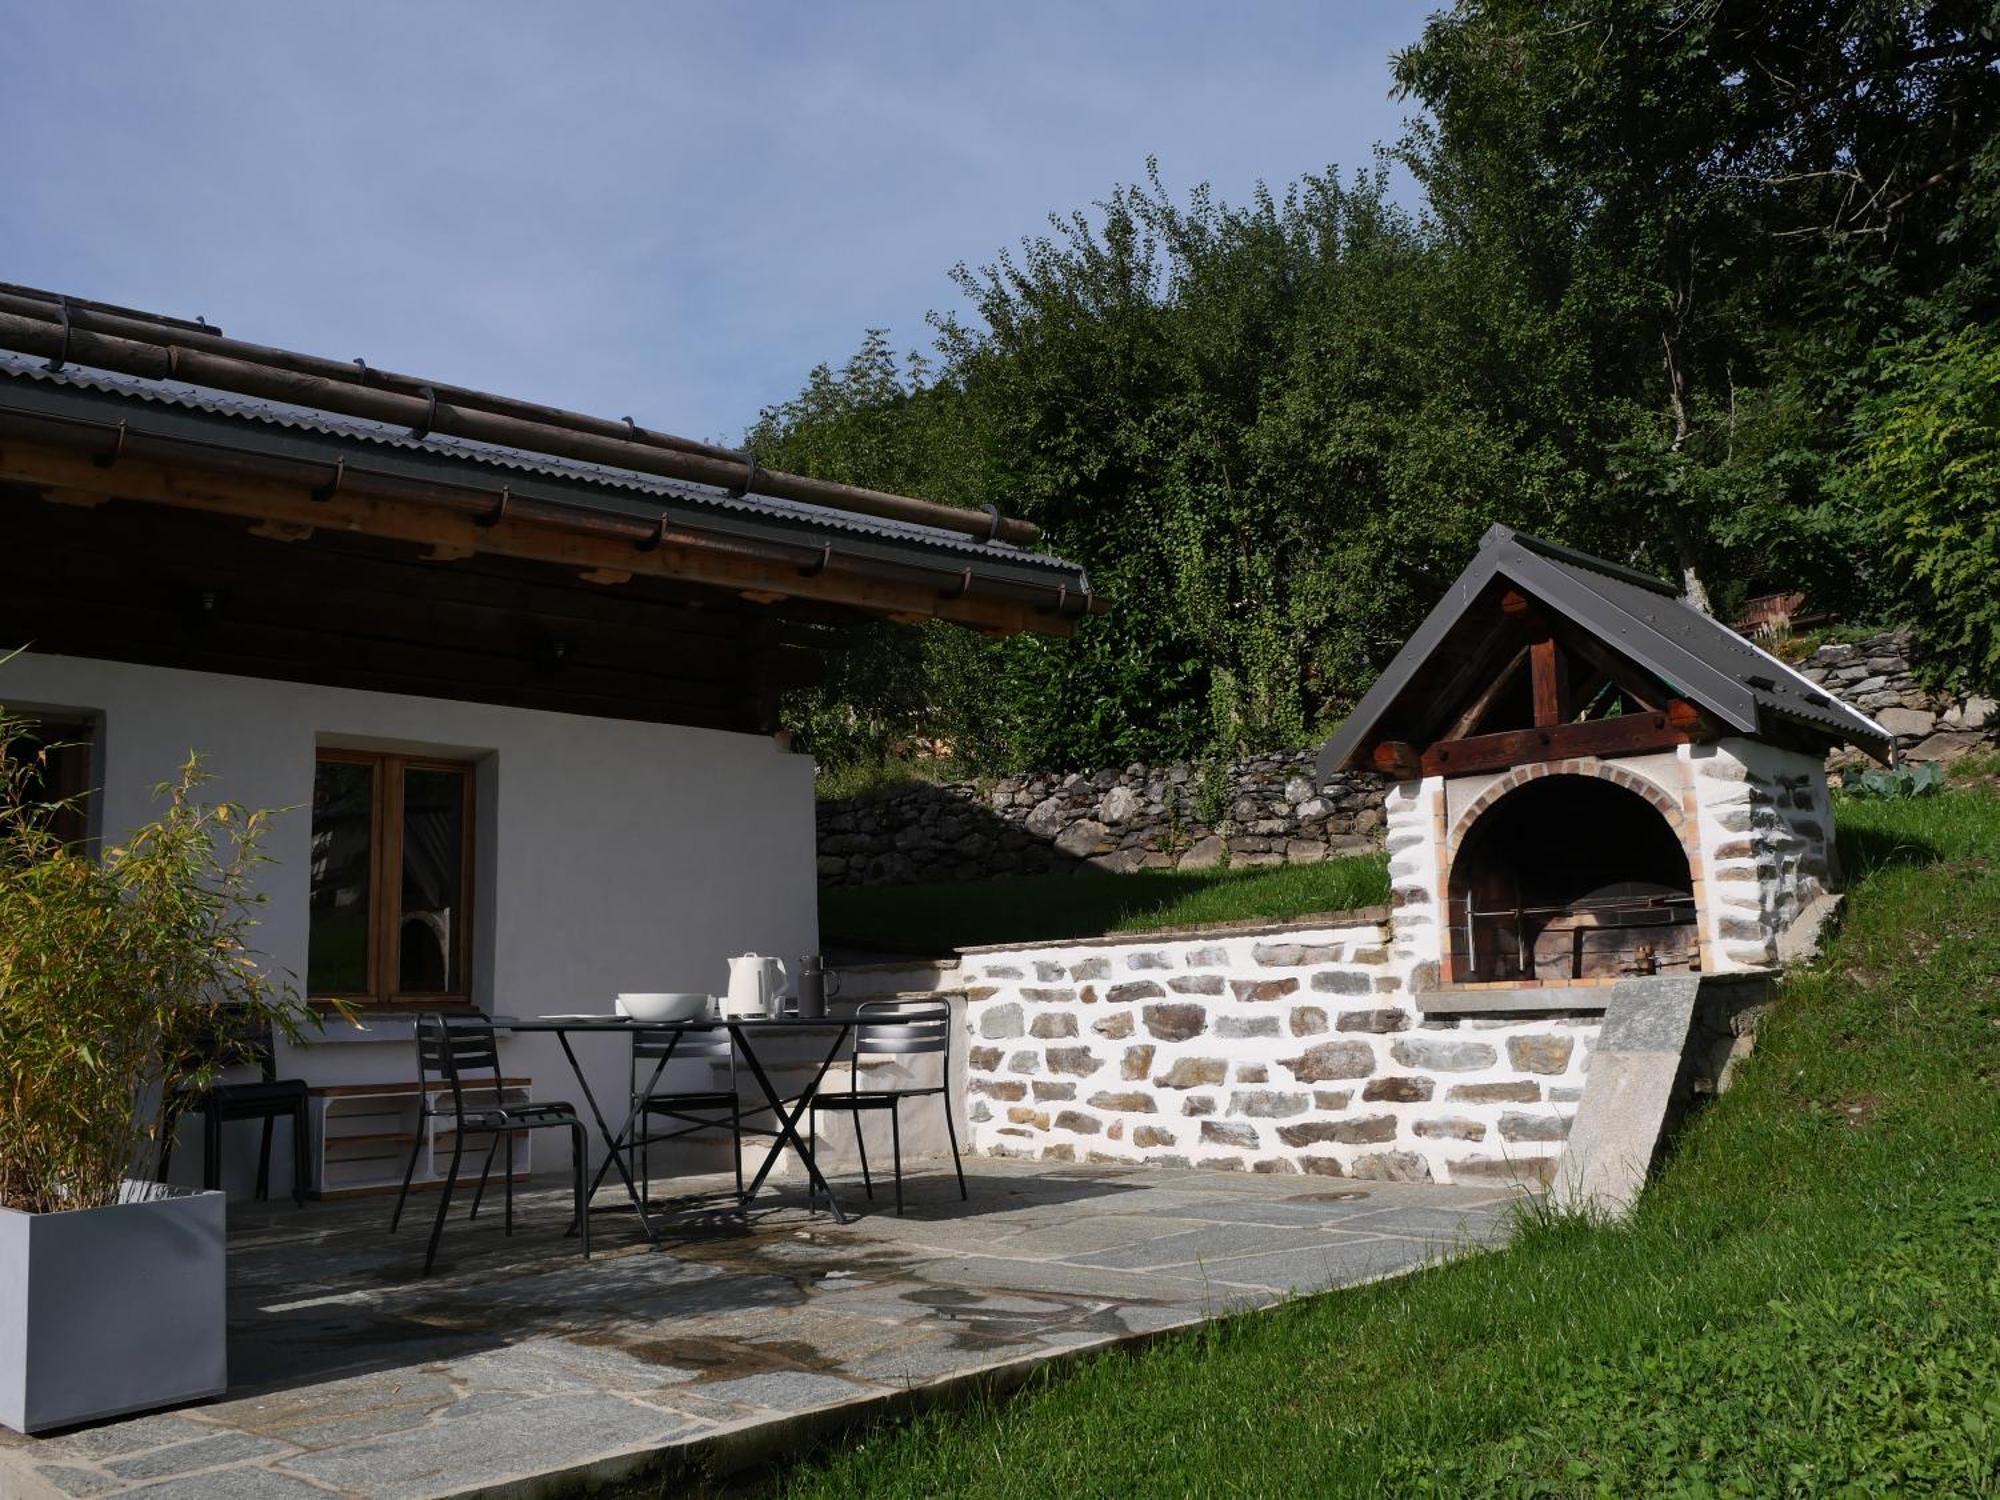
pixel 520 1370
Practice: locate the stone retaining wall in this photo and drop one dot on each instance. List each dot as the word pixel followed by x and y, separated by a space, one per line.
pixel 1874 675
pixel 1293 1049
pixel 1269 809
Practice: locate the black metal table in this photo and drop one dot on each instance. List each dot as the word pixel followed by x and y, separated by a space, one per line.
pixel 742 1032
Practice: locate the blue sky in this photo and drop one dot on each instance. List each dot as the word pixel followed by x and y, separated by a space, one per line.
pixel 672 211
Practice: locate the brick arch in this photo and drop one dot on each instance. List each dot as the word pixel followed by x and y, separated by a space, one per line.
pixel 1631 781
pixel 1682 821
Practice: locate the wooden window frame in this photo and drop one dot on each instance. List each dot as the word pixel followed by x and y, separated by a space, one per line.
pixel 385 881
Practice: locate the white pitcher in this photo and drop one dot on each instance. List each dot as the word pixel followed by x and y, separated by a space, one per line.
pixel 756 984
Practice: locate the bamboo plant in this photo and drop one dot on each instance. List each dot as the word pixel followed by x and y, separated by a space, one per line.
pixel 127 981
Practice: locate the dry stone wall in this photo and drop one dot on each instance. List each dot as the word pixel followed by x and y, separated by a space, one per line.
pixel 1874 675
pixel 1278 1050
pixel 1269 809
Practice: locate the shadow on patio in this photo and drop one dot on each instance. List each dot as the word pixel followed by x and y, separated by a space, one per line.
pixel 520 1368
pixel 328 1290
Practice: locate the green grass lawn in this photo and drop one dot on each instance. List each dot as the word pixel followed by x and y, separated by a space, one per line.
pixel 934 919
pixel 1807 1300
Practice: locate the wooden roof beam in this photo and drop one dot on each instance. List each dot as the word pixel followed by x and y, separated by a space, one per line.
pixel 523 532
pixel 1679 724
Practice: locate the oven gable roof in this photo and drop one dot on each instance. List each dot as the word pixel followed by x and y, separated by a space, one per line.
pixel 1639 617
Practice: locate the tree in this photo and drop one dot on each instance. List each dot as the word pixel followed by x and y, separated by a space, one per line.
pixel 1675 258
pixel 1931 440
pixel 1696 195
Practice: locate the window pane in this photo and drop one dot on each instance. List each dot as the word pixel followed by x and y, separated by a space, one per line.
pixel 57 754
pixel 428 940
pixel 342 856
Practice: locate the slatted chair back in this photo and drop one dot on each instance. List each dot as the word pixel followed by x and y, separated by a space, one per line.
pixel 894 1031
pixel 908 1028
pixel 453 1048
pixel 651 1049
pixel 713 1044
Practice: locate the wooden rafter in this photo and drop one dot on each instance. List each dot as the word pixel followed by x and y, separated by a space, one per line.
pixel 1480 706
pixel 1632 684
pixel 1551 692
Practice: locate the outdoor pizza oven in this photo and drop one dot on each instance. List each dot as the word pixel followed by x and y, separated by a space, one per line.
pixel 1568 878
pixel 1594 781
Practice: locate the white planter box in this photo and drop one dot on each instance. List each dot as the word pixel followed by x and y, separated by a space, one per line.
pixel 111 1310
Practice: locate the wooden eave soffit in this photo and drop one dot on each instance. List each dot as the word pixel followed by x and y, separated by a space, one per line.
pixel 596 553
pixel 1557 733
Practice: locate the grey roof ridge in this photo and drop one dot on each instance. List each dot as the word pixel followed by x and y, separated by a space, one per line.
pixel 1502 533
pixel 1715 690
pixel 1840 715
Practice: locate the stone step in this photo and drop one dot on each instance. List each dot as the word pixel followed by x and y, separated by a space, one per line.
pixel 895 979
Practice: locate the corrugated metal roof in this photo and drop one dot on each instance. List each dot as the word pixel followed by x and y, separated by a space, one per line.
pixel 1640 617
pixel 598 478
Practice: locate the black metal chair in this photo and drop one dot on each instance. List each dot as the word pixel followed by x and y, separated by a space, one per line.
pixel 697 1110
pixel 269 1099
pixel 456 1051
pixel 909 1029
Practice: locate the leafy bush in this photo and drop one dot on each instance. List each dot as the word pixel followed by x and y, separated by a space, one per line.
pixel 126 980
pixel 1932 465
pixel 1904 781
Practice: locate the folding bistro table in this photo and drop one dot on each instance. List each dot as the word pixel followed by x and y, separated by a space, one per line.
pixel 747 1034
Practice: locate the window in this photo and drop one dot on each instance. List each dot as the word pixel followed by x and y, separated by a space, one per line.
pixel 59 754
pixel 391 880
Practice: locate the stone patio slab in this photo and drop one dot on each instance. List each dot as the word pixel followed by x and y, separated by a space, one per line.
pixel 1187 1252
pixel 519 1369
pixel 1339 1264
pixel 1449 1224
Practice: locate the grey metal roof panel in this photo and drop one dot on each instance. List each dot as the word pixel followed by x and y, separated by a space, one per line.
pixel 1389 685
pixel 1660 633
pixel 606 481
pixel 1641 617
pixel 1679 636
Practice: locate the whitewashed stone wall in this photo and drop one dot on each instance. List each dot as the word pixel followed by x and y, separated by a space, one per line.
pixel 1765 827
pixel 1285 1050
pixel 1323 1047
pixel 1415 833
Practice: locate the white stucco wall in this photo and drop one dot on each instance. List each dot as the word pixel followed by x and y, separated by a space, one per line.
pixel 612 855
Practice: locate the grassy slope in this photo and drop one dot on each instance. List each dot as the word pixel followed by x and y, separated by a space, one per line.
pixel 1807 1299
pixel 937 918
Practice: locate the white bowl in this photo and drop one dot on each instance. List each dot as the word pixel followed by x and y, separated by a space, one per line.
pixel 663 1006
